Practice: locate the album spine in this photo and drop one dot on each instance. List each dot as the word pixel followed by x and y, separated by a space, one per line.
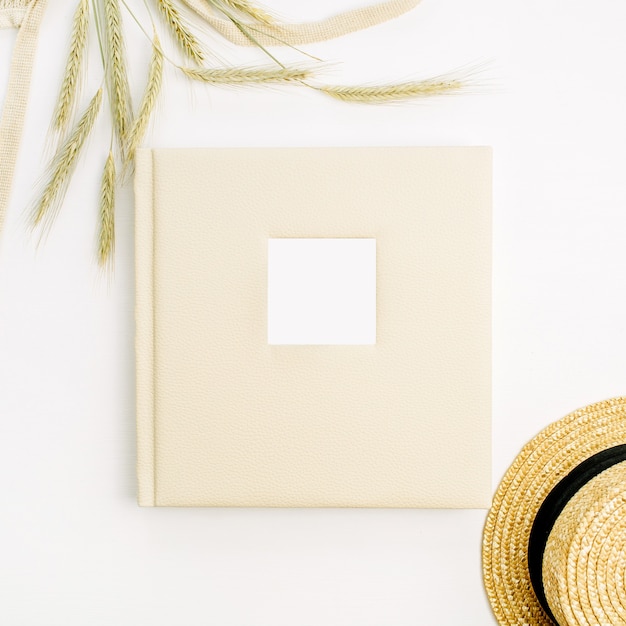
pixel 144 327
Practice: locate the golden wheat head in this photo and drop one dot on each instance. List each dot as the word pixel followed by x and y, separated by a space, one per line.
pixel 106 235
pixel 245 7
pixel 246 76
pixel 185 38
pixel 63 165
pixel 394 93
pixel 153 87
pixel 118 88
pixel 71 78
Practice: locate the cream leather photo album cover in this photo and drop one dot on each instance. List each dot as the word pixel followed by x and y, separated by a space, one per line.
pixel 313 327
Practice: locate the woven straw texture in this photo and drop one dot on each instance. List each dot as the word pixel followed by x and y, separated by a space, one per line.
pixel 541 464
pixel 583 571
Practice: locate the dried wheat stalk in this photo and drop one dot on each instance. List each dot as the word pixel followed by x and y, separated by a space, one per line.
pixel 247 8
pixel 119 91
pixel 185 38
pixel 153 87
pixel 242 75
pixel 106 236
pixel 394 93
pixel 71 78
pixel 63 164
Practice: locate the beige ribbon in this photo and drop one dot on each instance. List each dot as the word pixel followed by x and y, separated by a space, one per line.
pixel 299 34
pixel 11 17
pixel 12 120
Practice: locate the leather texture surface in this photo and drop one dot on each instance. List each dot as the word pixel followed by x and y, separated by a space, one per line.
pixel 224 419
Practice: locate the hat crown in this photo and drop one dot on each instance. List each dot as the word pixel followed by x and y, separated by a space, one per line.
pixel 583 562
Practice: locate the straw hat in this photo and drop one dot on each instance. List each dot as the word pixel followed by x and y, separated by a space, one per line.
pixel 554 545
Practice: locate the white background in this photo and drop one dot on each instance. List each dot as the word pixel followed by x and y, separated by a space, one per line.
pixel 75 549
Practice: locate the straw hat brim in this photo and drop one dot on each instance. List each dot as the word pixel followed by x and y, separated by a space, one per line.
pixel 540 466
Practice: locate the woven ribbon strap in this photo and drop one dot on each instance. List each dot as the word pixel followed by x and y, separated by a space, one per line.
pixel 27 18
pixel 298 34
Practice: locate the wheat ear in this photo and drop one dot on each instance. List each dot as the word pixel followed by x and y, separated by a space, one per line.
pixel 247 8
pixel 186 39
pixel 106 236
pixel 242 76
pixel 63 164
pixel 394 93
pixel 119 91
pixel 71 78
pixel 153 87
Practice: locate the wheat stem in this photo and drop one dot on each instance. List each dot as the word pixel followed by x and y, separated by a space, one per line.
pixel 64 162
pixel 119 91
pixel 186 39
pixel 153 87
pixel 242 76
pixel 66 100
pixel 394 93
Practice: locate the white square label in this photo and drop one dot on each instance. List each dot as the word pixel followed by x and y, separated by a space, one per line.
pixel 321 291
